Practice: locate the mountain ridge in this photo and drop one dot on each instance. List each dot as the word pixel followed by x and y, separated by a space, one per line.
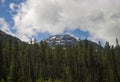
pixel 66 39
pixel 6 37
pixel 53 40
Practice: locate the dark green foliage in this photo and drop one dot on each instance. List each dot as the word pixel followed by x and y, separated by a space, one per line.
pixel 2 80
pixel 22 62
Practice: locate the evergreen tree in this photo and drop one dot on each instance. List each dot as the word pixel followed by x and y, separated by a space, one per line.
pixel 117 43
pixel 1 59
pixel 2 80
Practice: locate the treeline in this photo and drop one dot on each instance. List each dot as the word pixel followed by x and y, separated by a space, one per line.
pixel 22 62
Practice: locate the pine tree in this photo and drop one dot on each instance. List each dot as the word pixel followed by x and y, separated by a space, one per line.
pixel 1 59
pixel 117 43
pixel 12 71
pixel 117 58
pixel 2 80
pixel 40 79
pixel 11 74
pixel 66 76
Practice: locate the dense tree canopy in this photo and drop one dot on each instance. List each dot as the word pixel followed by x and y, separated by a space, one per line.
pixel 22 62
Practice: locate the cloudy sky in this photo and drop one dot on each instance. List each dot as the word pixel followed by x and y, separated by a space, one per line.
pixel 96 20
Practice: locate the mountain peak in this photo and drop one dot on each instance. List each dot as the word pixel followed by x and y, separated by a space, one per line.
pixel 61 40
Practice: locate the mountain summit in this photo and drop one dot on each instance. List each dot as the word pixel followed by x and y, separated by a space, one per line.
pixel 61 40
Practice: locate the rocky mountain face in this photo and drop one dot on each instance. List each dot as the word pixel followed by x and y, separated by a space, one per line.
pixel 61 40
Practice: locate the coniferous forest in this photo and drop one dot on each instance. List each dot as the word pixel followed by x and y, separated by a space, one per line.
pixel 22 62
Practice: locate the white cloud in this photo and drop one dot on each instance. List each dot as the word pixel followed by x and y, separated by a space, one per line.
pixel 12 5
pixel 4 26
pixel 101 18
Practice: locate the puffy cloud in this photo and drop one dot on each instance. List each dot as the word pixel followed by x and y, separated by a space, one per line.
pixel 12 5
pixel 101 18
pixel 4 26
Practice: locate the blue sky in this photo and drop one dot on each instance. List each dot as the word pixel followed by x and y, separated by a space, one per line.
pixel 26 19
pixel 6 14
pixel 5 11
pixel 76 33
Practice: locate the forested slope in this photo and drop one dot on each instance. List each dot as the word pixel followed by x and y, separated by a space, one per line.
pixel 40 63
pixel 6 37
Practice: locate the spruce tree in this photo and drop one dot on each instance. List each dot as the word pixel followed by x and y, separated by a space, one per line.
pixel 2 80
pixel 1 59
